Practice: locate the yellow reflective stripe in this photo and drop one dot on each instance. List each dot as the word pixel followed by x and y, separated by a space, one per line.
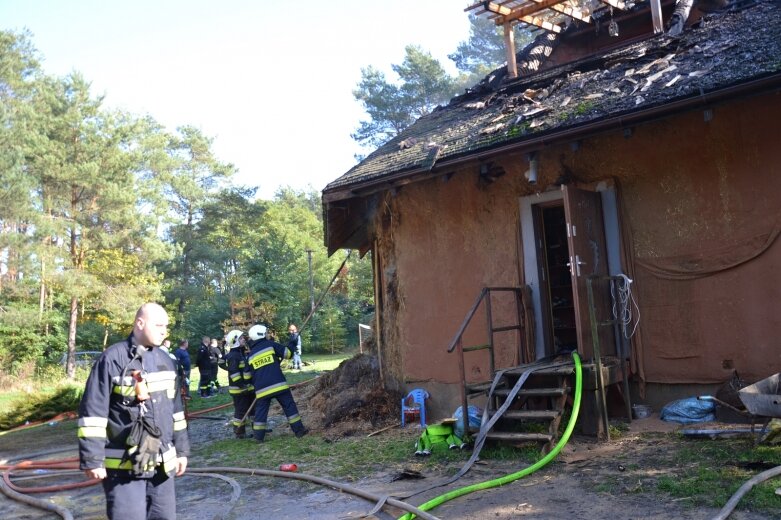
pixel 92 432
pixel 271 390
pixel 163 375
pixel 180 425
pixel 169 460
pixel 111 463
pixel 160 386
pixel 235 377
pixel 179 416
pixel 169 466
pixel 169 454
pixel 124 390
pixel 93 421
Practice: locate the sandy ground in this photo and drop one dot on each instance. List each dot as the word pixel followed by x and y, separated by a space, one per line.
pixel 573 486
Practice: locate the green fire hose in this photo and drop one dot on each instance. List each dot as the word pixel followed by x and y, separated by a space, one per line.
pixel 441 499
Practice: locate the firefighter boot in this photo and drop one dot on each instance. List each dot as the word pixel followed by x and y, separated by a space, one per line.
pixel 239 431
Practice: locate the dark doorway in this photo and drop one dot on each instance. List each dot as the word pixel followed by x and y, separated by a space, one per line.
pixel 559 307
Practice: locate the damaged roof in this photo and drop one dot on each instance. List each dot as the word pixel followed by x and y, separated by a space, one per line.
pixel 717 54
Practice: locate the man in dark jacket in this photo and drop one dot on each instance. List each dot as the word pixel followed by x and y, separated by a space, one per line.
pixel 132 430
pixel 203 360
pixel 184 367
pixel 269 382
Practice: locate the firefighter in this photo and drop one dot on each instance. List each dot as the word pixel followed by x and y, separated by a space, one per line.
pixel 239 380
pixel 269 382
pixel 204 363
pixel 132 430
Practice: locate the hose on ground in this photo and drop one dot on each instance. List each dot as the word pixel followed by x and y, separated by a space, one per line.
pixel 745 488
pixel 324 482
pixel 18 493
pixel 441 499
pixel 34 502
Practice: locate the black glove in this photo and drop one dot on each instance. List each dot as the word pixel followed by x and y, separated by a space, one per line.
pixel 145 457
pixel 144 447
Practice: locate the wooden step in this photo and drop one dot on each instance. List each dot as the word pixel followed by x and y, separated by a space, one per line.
pixel 519 436
pixel 552 371
pixel 538 415
pixel 481 388
pixel 533 392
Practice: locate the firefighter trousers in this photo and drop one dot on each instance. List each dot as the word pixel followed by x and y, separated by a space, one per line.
pixel 285 400
pixel 131 498
pixel 241 405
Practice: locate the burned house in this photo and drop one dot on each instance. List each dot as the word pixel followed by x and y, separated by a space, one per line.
pixel 506 226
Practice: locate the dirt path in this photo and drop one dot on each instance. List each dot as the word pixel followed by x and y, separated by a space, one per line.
pixel 588 481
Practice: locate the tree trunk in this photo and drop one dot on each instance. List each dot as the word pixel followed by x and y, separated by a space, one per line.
pixel 70 366
pixel 42 293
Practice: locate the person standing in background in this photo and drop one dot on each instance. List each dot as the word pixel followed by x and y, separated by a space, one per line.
pixel 294 344
pixel 205 368
pixel 184 367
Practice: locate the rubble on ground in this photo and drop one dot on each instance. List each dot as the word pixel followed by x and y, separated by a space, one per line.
pixel 351 399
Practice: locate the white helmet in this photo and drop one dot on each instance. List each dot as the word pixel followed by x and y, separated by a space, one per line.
pixel 232 338
pixel 257 332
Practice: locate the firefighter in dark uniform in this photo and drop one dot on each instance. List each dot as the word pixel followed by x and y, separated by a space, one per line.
pixel 240 381
pixel 132 430
pixel 204 362
pixel 269 382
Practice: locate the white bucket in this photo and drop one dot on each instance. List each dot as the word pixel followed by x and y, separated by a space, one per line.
pixel 641 411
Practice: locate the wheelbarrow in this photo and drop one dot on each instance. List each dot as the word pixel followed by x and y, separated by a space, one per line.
pixel 763 399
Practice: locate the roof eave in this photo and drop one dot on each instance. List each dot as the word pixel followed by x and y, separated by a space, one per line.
pixel 558 136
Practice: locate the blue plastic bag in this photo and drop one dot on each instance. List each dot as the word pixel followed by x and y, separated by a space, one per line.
pixel 474 417
pixel 688 411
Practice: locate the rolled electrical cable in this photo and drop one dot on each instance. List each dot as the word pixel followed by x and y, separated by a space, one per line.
pixel 441 499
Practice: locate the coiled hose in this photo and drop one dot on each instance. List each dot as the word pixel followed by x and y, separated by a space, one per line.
pixel 441 499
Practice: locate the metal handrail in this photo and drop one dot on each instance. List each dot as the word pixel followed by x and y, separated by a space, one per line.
pixel 458 343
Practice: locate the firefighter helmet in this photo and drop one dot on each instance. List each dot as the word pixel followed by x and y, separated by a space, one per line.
pixel 232 338
pixel 257 332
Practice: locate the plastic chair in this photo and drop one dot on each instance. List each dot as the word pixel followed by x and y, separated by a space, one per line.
pixel 414 406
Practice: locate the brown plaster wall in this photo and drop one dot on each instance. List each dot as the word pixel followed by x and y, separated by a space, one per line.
pixel 696 196
pixel 452 238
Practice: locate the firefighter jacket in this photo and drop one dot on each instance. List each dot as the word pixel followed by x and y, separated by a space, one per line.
pixel 205 359
pixel 264 358
pixel 239 373
pixel 109 408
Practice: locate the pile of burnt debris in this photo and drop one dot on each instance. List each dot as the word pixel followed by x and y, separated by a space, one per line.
pixel 350 399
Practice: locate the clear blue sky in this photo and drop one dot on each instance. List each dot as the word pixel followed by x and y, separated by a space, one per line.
pixel 270 81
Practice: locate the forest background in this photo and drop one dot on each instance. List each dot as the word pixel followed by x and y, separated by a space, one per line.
pixel 102 210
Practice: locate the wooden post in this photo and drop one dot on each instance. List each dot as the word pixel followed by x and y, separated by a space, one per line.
pixel 656 16
pixel 509 47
